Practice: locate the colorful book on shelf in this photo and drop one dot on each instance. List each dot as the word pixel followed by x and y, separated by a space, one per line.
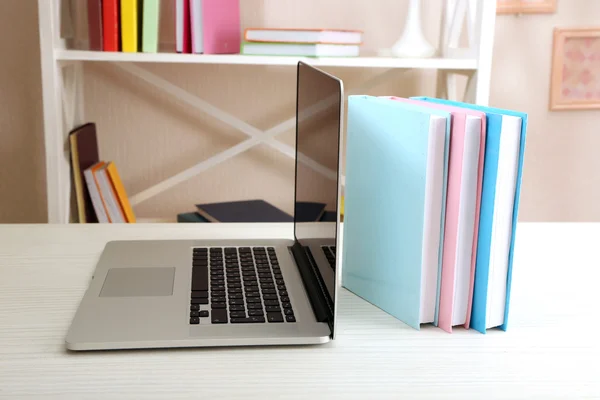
pixel 108 195
pixel 396 167
pixel 221 26
pixel 243 211
pixel 196 27
pixel 299 49
pixel 503 166
pixel 183 42
pixel 84 153
pixel 312 36
pixel 130 14
pixel 150 25
pixel 111 25
pixel 95 31
pixel 465 177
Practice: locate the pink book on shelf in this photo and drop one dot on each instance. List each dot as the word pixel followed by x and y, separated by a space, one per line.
pixel 221 26
pixel 464 122
pixel 182 27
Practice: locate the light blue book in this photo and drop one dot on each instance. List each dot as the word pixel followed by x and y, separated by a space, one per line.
pixel 504 153
pixel 396 172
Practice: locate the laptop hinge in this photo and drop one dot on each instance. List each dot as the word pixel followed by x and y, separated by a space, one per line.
pixel 313 284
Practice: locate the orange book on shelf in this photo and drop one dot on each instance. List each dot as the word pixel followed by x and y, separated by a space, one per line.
pixel 120 192
pixel 97 167
pixel 312 36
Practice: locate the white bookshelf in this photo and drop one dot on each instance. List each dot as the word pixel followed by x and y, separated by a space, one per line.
pixel 63 103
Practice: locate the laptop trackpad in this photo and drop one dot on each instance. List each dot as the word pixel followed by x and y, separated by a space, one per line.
pixel 135 282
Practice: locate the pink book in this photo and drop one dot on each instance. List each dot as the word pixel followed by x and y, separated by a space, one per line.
pixel 467 148
pixel 221 26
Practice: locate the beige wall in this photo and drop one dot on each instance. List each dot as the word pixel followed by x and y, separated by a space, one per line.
pixel 152 137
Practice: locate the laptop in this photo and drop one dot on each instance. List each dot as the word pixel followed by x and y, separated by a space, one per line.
pixel 237 292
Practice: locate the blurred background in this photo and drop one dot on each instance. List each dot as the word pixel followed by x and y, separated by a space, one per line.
pixel 151 137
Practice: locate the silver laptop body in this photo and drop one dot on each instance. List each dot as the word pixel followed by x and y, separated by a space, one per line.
pixel 196 293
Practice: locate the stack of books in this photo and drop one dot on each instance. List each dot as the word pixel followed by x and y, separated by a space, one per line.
pixel 431 207
pixel 201 26
pixel 99 192
pixel 302 42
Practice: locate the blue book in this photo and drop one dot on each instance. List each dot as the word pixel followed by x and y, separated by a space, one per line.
pixel 396 171
pixel 503 164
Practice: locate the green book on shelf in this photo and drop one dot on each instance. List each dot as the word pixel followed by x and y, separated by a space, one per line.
pixel 300 49
pixel 151 14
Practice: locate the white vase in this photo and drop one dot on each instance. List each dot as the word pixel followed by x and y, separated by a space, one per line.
pixel 412 43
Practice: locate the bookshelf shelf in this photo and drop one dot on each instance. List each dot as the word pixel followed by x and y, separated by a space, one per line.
pixel 236 59
pixel 63 77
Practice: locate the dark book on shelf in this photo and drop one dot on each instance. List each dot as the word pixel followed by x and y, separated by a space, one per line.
pixel 307 211
pixel 243 211
pixel 84 153
pixel 191 217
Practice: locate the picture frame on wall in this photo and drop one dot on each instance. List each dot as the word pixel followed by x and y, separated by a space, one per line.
pixel 575 75
pixel 525 6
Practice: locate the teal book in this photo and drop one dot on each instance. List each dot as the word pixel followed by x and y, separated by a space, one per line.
pixel 502 175
pixel 396 172
pixel 150 23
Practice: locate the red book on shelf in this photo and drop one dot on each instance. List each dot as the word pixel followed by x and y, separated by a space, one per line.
pixel 183 36
pixel 110 19
pixel 94 14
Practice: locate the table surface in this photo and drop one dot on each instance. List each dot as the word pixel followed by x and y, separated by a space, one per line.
pixel 551 348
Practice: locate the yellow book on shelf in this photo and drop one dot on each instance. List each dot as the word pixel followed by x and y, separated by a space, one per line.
pixel 129 26
pixel 120 192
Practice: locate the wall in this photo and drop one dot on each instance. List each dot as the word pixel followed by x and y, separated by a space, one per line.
pixel 152 137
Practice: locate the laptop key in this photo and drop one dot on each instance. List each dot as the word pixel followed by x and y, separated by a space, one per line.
pixel 285 299
pixel 217 299
pixel 194 314
pixel 288 311
pixel 248 320
pixel 274 317
pixel 199 278
pixel 236 296
pixel 271 302
pixel 237 314
pixel 283 293
pixel 203 313
pixel 219 317
pixel 286 305
pixel 253 300
pixel 203 294
pixel 273 309
pixel 269 291
pixel 290 318
pixel 270 297
pixel 256 313
pixel 218 306
pixel 254 306
pixel 194 320
pixel 194 307
pixel 237 308
pixel 236 302
pixel 199 301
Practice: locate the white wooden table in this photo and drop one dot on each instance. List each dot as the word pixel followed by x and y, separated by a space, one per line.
pixel 550 351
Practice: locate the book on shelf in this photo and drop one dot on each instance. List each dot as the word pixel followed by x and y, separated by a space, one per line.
pixel 83 146
pixel 436 184
pixel 311 36
pixel 299 49
pixel 109 198
pixel 242 211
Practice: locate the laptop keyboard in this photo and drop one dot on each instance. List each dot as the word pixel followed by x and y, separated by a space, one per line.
pixel 238 285
pixel 330 254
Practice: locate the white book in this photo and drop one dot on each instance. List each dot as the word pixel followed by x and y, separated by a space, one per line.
pixel 95 196
pixel 434 187
pixel 180 23
pixel 296 49
pixel 330 36
pixel 196 26
pixel 466 219
pixel 502 219
pixel 112 203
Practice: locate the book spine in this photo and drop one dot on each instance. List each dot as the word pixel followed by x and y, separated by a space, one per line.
pixel 196 30
pixel 121 194
pixel 95 195
pixel 110 25
pixel 151 10
pixel 94 14
pixel 112 206
pixel 182 26
pixel 129 25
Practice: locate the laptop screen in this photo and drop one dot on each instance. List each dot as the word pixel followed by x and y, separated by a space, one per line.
pixel 318 124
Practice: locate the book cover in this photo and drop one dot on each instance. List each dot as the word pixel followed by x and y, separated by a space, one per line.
pixel 392 253
pixel 110 25
pixel 121 193
pixel 221 26
pixel 94 14
pixel 150 25
pixel 84 153
pixel 129 25
pixel 243 211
